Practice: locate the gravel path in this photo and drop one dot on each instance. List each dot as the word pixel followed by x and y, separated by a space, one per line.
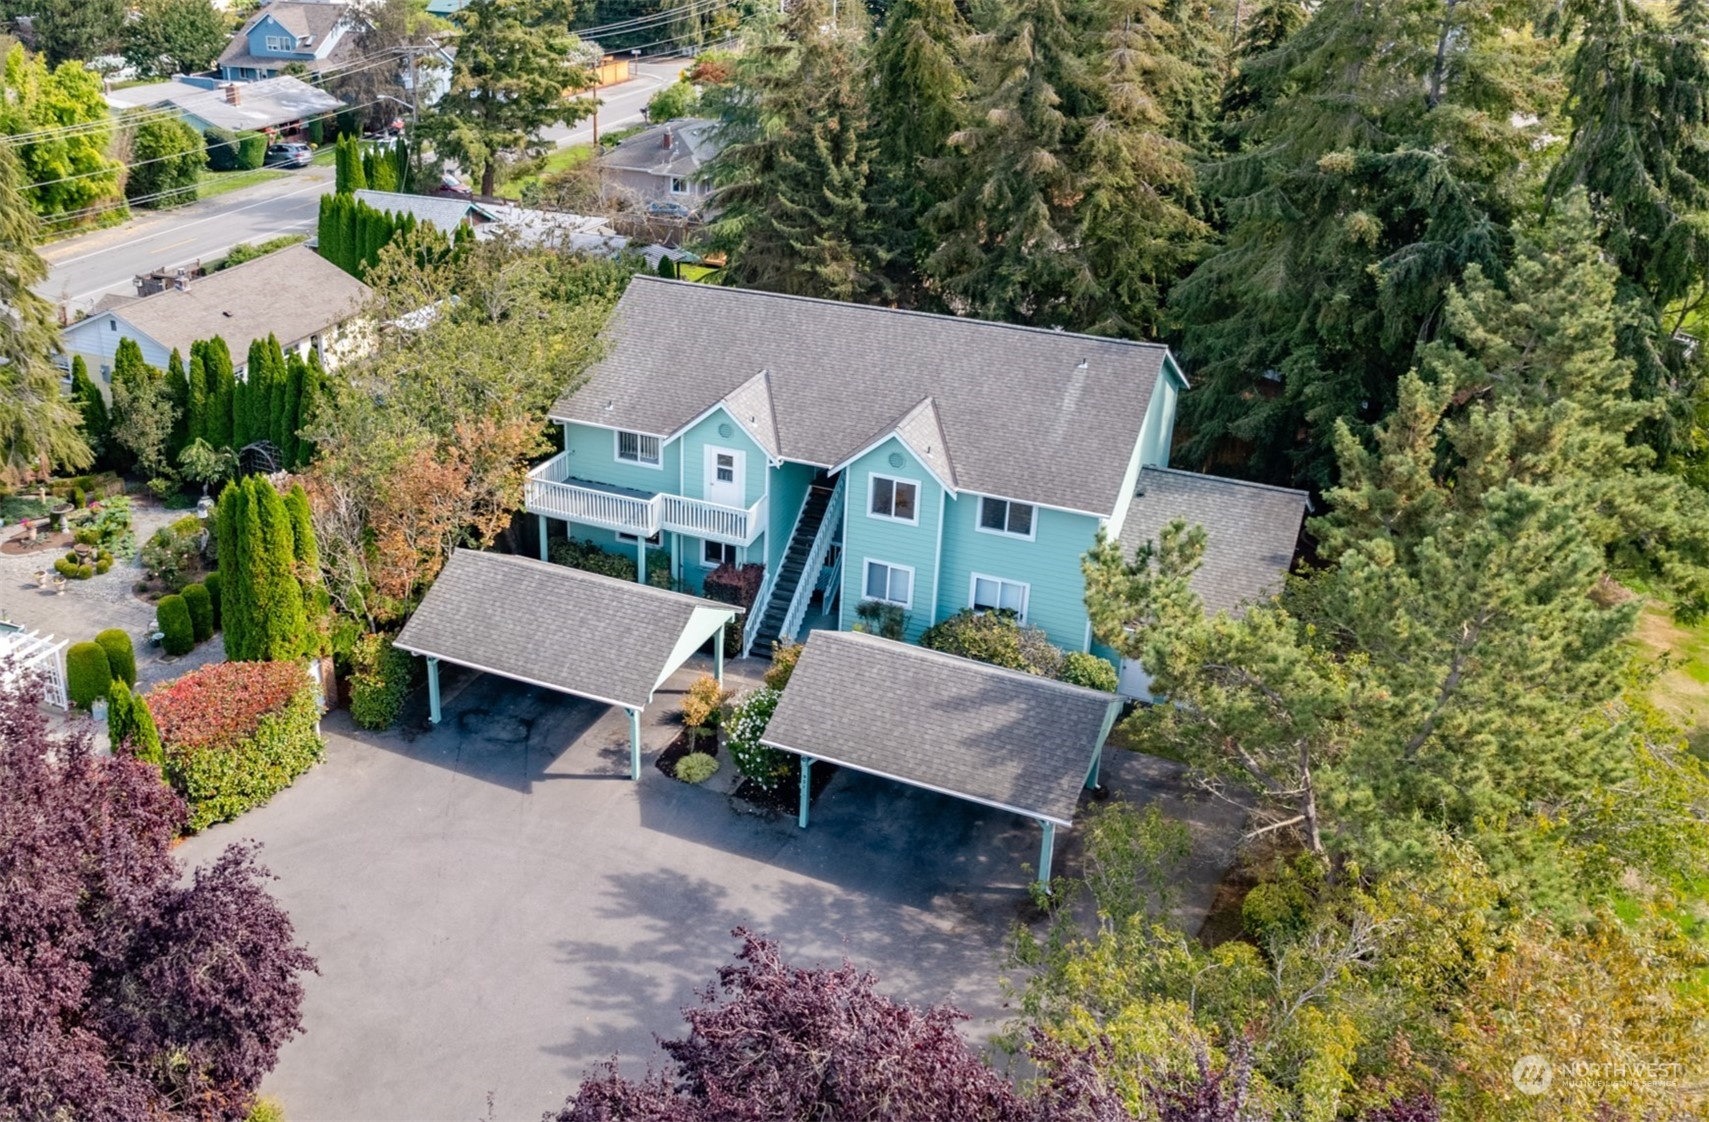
pixel 88 606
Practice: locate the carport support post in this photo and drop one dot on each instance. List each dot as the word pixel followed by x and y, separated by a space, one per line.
pixel 806 790
pixel 1046 850
pixel 634 743
pixel 718 656
pixel 542 519
pixel 433 690
pixel 641 562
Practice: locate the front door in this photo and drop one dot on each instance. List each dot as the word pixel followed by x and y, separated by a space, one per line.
pixel 724 474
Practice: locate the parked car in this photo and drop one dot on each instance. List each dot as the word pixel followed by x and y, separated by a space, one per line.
pixel 663 209
pixel 289 155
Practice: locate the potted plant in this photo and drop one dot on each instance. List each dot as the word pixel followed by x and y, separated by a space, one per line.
pixel 41 578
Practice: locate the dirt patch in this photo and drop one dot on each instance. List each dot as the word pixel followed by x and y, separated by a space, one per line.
pixel 47 543
pixel 1681 691
pixel 786 796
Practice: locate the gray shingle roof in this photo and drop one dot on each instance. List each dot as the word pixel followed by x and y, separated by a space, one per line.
pixel 1250 530
pixel 292 293
pixel 1041 416
pixel 693 143
pixel 980 732
pixel 446 214
pixel 263 104
pixel 554 626
pixel 317 20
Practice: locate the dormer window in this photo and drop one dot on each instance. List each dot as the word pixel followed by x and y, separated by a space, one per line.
pixel 638 448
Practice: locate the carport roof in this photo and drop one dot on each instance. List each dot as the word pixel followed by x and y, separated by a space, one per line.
pixel 549 625
pixel 968 729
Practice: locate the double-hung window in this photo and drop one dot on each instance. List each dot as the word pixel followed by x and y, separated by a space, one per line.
pixel 893 584
pixel 993 594
pixel 895 499
pixel 280 43
pixel 638 448
pixel 1002 516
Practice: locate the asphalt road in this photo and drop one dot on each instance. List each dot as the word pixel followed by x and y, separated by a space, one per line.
pixel 84 268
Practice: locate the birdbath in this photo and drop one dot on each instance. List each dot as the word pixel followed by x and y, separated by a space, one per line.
pixel 59 512
pixel 83 551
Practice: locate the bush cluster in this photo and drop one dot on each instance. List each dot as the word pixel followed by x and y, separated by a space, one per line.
pixel 121 654
pixel 201 607
pixel 887 621
pixel 696 767
pixel 235 734
pixel 576 553
pixel 767 767
pixel 130 725
pixel 174 551
pixel 383 677
pixel 1002 640
pixel 177 633
pixel 88 674
pixel 1082 668
pixel 784 656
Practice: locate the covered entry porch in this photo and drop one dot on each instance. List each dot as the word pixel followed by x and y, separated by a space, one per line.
pixel 999 738
pixel 590 636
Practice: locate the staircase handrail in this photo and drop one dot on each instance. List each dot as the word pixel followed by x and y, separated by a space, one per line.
pixel 756 610
pixel 815 560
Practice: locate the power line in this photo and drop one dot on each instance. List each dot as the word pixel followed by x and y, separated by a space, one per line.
pixel 692 10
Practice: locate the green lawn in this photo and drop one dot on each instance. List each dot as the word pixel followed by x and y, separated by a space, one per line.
pixel 561 159
pixel 1682 690
pixel 695 272
pixel 219 182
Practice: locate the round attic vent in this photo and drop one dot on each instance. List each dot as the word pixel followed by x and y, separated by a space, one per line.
pixel 896 460
pixel 724 430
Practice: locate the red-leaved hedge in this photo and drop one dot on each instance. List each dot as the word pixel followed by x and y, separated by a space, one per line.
pixel 223 702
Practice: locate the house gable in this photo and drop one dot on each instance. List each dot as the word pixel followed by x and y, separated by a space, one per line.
pixel 910 545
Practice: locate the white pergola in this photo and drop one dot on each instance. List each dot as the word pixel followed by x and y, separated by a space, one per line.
pixel 29 652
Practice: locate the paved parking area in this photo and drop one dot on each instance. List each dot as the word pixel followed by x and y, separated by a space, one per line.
pixel 496 907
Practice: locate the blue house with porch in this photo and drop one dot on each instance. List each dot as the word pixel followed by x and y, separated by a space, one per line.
pixel 931 463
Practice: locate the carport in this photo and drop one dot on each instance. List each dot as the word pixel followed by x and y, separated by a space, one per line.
pixel 1001 738
pixel 608 640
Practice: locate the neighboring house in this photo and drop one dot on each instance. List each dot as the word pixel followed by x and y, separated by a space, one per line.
pixel 305 302
pixel 860 453
pixel 662 164
pixel 441 211
pixel 279 106
pixel 314 36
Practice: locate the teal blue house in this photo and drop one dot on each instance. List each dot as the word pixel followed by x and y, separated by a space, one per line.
pixel 858 454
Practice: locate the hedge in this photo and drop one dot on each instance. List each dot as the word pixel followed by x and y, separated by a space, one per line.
pixel 381 682
pixel 88 674
pixel 578 554
pixel 201 607
pixel 235 734
pixel 211 582
pixel 222 149
pixel 1083 669
pixel 121 654
pixel 995 637
pixel 178 636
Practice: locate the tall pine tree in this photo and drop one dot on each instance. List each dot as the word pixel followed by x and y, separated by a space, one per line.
pixel 239 542
pixel 196 408
pixel 91 404
pixel 222 393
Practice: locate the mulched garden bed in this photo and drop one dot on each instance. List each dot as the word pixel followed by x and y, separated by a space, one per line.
pixel 46 542
pixel 682 746
pixel 786 796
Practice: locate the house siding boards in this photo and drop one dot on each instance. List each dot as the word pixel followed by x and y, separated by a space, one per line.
pixel 913 546
pixel 789 483
pixel 593 456
pixel 710 433
pixel 1049 564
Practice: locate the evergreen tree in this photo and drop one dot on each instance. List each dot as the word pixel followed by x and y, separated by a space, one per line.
pixel 143 416
pixel 254 385
pixel 918 86
pixel 239 534
pixel 178 393
pixel 196 408
pixel 76 31
pixel 274 422
pixel 348 176
pixel 39 427
pixel 1254 83
pixel 1388 150
pixel 91 404
pixel 313 389
pixel 1640 147
pixel 316 599
pixel 286 419
pixel 222 382
pixel 278 623
pixel 794 208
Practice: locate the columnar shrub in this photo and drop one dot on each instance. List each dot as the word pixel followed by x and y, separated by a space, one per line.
pixel 201 607
pixel 766 766
pixel 121 654
pixel 236 733
pixel 88 674
pixel 129 723
pixel 381 682
pixel 211 582
pixel 178 635
pixel 1084 669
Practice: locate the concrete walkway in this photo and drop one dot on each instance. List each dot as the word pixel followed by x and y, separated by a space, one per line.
pixel 495 906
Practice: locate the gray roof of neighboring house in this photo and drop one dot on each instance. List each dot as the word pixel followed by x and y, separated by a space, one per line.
pixel 693 143
pixel 446 214
pixel 271 101
pixel 562 628
pixel 1024 413
pixel 1000 737
pixel 1251 530
pixel 578 233
pixel 316 19
pixel 292 293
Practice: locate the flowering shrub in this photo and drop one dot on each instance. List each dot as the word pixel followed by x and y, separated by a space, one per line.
pixel 747 722
pixel 236 733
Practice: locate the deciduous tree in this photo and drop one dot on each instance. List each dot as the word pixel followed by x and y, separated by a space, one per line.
pixel 65 171
pixel 167 37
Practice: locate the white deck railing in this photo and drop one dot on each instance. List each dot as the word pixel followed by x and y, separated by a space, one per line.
pixel 551 492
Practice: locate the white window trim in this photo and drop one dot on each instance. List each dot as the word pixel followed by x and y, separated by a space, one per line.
pixel 705 564
pixel 617 449
pixel 872 479
pixel 1026 591
pixel 281 42
pixel 654 542
pixel 909 569
pixel 979 518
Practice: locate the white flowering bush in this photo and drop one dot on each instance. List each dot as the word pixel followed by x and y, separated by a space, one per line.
pixel 742 731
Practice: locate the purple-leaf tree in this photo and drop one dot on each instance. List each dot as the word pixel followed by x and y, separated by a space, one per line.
pixel 123 993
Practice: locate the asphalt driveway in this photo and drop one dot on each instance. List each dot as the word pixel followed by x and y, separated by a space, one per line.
pixel 496 907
